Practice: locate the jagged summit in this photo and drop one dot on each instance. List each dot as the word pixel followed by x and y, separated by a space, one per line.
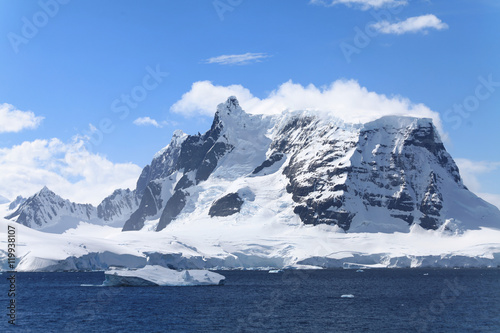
pixel 45 210
pixel 45 191
pixel 230 107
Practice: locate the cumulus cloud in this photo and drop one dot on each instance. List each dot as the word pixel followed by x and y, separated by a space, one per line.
pixel 411 25
pixel 237 59
pixel 66 168
pixel 13 120
pixel 203 98
pixel 471 170
pixel 344 99
pixel 146 121
pixel 362 4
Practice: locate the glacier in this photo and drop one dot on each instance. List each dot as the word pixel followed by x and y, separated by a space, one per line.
pixel 296 190
pixel 256 244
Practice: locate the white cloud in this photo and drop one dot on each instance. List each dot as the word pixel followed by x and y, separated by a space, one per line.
pixel 345 99
pixel 204 97
pixel 471 170
pixel 362 4
pixel 66 168
pixel 145 121
pixel 237 59
pixel 13 120
pixel 411 25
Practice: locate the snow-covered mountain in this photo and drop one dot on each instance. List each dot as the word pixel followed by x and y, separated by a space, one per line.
pixel 382 176
pixel 297 190
pixel 47 211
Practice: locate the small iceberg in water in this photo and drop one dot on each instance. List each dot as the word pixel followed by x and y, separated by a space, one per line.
pixel 161 276
pixel 274 271
pixel 347 296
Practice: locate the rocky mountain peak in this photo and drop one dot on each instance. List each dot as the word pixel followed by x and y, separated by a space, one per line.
pixel 45 191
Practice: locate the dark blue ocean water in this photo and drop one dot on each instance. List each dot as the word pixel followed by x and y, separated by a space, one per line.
pixel 397 300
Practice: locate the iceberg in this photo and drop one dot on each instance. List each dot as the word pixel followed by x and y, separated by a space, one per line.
pixel 153 275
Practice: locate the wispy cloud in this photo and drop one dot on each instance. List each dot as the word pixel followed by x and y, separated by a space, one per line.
pixel 237 59
pixel 362 4
pixel 472 170
pixel 13 120
pixel 411 25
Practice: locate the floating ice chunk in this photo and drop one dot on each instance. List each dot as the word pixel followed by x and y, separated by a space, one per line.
pixel 274 271
pixel 161 276
pixel 347 296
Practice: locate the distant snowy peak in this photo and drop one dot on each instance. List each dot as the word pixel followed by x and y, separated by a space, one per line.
pixel 17 201
pixel 45 209
pixel 118 206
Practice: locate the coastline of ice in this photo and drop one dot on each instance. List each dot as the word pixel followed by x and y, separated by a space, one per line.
pixel 263 242
pixel 153 275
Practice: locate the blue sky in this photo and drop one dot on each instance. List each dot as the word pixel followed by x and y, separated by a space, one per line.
pixel 67 68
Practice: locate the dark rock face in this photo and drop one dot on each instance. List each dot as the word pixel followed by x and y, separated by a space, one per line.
pixel 431 205
pixel 378 173
pixel 197 154
pixel 425 136
pixel 173 208
pixel 227 205
pixel 402 201
pixel 161 166
pixel 314 175
pixel 269 162
pixel 150 204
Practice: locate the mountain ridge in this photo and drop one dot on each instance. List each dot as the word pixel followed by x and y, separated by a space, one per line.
pixel 381 176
